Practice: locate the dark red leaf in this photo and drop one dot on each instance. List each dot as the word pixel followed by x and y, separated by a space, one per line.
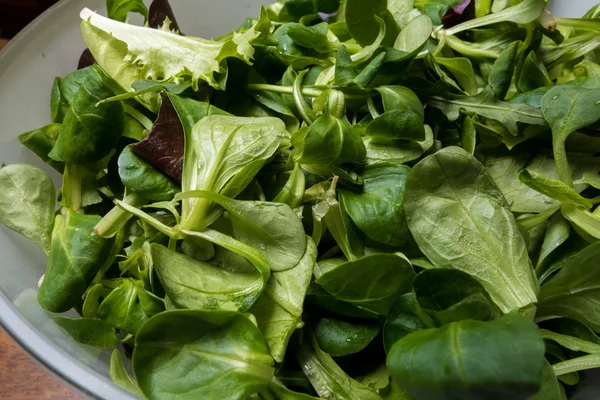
pixel 164 146
pixel 461 12
pixel 159 11
pixel 86 59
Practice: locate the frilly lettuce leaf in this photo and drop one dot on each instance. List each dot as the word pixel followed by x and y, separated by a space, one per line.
pixel 129 53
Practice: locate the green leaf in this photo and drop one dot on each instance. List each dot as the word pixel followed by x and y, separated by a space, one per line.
pixel 551 388
pixel 503 70
pixel 569 107
pixel 292 193
pixel 404 317
pixel 207 354
pixel 485 105
pixel 89 132
pixel 415 35
pixel 362 24
pixel 76 255
pixel 118 9
pixel 482 237
pixel 403 117
pixel 340 338
pixel 557 233
pixel 198 285
pixel 90 331
pixel 120 376
pixel 585 223
pixel 128 306
pixel 397 151
pixel 64 91
pixel 470 359
pixel 355 282
pixel 465 298
pixel 41 141
pixel 574 291
pixel 462 70
pixel 129 53
pixel 278 310
pixel 469 135
pixel 27 203
pixel 435 9
pixel 379 210
pixel 272 228
pixel 553 188
pixel 225 153
pixel 326 376
pixel 570 342
pixel 140 177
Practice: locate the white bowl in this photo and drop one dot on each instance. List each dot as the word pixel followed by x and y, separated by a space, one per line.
pixel 49 47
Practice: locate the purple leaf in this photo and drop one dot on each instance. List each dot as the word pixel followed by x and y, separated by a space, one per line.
pixel 164 146
pixel 158 13
pixel 461 12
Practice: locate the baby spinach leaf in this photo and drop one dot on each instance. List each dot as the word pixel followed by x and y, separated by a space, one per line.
pixel 227 154
pixel 462 70
pixel 89 132
pixel 198 285
pixel 573 292
pixel 273 228
pixel 141 178
pixel 484 104
pixel 569 107
pixel 533 74
pixel 326 376
pixel 557 233
pixel 340 338
pixel 482 237
pixel 41 141
pixel 397 151
pixel 362 24
pixel 27 203
pixel 379 210
pixel 470 359
pixel 404 317
pixel 553 188
pixel 373 282
pixel 278 391
pixel 403 117
pixel 503 70
pixel 120 376
pixel 319 297
pixel 128 306
pixel 278 310
pixel 194 353
pixel 119 9
pixel 415 35
pixel 64 91
pixel 465 298
pixel 90 331
pixel 76 255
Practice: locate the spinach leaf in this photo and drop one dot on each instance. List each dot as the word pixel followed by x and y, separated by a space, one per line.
pixel 118 9
pixel 340 338
pixel 465 298
pixel 569 107
pixel 414 36
pixel 191 353
pixel 470 359
pixel 90 331
pixel 278 310
pixel 198 285
pixel 503 70
pixel 141 178
pixel 373 282
pixel 89 131
pixel 64 91
pixel 129 305
pixel 481 238
pixel 573 291
pixel 273 228
pixel 362 25
pixel 76 255
pixel 398 151
pixel 27 203
pixel 404 317
pixel 553 188
pixel 120 376
pixel 326 376
pixel 41 141
pixel 227 153
pixel 557 233
pixel 551 388
pixel 379 210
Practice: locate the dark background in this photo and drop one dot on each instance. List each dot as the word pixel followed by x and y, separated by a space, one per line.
pixel 16 14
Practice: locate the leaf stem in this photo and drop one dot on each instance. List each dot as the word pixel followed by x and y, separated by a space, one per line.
pixel 116 218
pixel 72 181
pixel 562 161
pixel 167 230
pixel 577 364
pixel 306 91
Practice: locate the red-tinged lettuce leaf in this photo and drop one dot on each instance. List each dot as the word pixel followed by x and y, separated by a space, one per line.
pixel 462 12
pixel 160 10
pixel 164 146
pixel 86 59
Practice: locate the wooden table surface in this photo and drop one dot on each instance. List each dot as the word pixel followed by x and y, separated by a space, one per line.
pixel 21 378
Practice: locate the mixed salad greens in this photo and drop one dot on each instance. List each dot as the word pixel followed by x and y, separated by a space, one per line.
pixel 372 199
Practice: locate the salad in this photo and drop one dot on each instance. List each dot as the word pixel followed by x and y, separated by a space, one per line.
pixel 382 199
